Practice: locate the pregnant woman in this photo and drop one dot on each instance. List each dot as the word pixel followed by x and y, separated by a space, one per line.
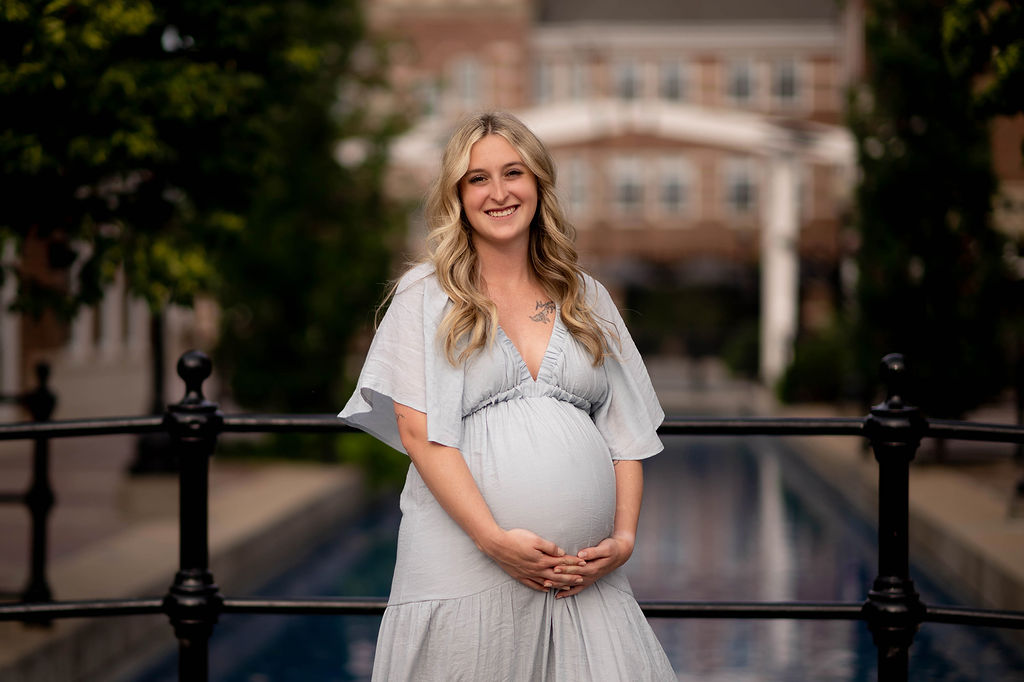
pixel 507 376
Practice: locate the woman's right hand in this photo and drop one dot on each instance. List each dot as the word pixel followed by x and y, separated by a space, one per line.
pixel 531 559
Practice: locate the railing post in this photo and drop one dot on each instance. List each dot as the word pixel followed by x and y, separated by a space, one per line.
pixel 893 609
pixel 193 602
pixel 40 497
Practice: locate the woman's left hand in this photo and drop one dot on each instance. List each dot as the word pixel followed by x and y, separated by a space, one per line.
pixel 601 560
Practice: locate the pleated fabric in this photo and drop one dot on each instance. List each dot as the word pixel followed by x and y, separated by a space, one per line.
pixel 511 633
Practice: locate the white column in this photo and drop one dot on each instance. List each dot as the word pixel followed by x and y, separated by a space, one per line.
pixel 177 339
pixel 111 311
pixel 138 327
pixel 80 344
pixel 780 268
pixel 10 340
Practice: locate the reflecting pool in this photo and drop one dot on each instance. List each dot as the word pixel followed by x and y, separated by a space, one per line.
pixel 724 519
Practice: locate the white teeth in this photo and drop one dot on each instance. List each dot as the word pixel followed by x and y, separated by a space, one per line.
pixel 501 214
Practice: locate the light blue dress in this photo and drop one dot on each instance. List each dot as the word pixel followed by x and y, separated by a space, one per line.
pixel 541 453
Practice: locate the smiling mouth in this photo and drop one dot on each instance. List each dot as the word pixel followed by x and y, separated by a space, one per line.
pixel 502 213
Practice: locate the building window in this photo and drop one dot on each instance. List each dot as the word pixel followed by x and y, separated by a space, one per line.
pixel 579 180
pixel 543 83
pixel 672 81
pixel 740 81
pixel 627 176
pixel 785 84
pixel 627 79
pixel 428 93
pixel 579 81
pixel 740 188
pixel 467 82
pixel 674 185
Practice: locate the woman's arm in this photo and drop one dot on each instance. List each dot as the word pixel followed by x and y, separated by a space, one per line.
pixel 524 555
pixel 613 551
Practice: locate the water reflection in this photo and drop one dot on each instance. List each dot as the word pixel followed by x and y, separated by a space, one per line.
pixel 732 520
pixel 723 520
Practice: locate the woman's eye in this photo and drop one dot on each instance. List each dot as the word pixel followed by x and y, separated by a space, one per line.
pixel 476 179
pixel 515 172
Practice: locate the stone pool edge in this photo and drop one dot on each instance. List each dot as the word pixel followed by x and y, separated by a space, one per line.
pixel 961 530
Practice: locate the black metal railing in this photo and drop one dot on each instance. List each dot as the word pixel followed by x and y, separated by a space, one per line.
pixel 38 498
pixel 892 610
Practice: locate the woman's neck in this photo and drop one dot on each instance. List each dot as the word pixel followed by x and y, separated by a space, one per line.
pixel 504 268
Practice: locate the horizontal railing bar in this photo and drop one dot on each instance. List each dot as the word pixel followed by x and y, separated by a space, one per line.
pixel 958 430
pixel 80 609
pixel 373 606
pixel 964 615
pixel 838 426
pixel 12 498
pixel 763 426
pixel 759 610
pixel 285 423
pixel 673 426
pixel 952 615
pixel 82 427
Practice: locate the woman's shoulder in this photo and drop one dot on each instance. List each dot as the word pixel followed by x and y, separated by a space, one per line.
pixel 594 292
pixel 416 278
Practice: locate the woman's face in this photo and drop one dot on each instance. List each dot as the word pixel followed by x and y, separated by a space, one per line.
pixel 498 192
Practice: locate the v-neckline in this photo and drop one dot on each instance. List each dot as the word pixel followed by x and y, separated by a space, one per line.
pixel 547 347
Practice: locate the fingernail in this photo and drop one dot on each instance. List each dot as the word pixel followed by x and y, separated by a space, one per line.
pixel 561 552
pixel 558 570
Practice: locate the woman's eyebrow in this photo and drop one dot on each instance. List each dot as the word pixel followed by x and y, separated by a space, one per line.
pixel 481 170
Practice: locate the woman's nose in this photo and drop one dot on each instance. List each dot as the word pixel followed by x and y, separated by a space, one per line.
pixel 499 191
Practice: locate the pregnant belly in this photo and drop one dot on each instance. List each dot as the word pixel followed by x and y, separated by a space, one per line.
pixel 542 465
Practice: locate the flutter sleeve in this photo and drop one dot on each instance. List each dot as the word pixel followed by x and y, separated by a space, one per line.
pixel 404 365
pixel 629 416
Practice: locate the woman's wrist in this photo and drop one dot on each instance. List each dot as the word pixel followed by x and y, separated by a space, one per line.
pixel 489 539
pixel 626 540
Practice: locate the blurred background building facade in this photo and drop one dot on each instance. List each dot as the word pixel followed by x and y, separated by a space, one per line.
pixel 700 146
pixel 702 153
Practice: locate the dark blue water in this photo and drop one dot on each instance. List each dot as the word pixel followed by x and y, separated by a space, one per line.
pixel 723 520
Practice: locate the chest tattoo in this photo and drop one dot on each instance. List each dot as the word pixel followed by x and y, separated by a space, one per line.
pixel 544 311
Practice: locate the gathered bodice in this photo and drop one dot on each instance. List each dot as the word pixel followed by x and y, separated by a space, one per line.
pixel 498 373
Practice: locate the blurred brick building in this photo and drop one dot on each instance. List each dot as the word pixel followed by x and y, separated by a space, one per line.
pixel 700 145
pixel 695 141
pixel 701 153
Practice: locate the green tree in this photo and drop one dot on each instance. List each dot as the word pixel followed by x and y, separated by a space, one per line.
pixel 191 142
pixel 307 273
pixel 985 38
pixel 931 278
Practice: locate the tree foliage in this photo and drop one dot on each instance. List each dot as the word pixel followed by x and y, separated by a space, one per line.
pixel 931 278
pixel 191 142
pixel 985 38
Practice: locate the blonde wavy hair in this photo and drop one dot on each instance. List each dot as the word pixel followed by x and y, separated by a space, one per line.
pixel 472 321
